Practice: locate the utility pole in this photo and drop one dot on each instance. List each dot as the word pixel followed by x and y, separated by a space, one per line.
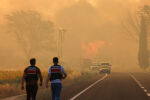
pixel 60 41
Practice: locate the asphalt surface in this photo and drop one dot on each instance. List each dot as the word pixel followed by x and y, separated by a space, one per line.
pixel 116 86
pixel 69 92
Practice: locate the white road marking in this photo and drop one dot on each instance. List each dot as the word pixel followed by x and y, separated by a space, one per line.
pixel 148 94
pixel 14 97
pixel 73 98
pixel 140 85
pixel 145 90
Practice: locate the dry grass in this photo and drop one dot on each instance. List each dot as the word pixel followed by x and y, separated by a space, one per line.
pixel 10 77
pixel 7 90
pixel 10 82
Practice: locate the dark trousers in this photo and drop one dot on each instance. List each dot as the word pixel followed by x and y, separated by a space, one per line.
pixel 56 90
pixel 31 91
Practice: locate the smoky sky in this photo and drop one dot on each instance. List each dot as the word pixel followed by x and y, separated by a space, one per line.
pixel 94 24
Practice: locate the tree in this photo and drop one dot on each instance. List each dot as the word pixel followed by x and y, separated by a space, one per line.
pixel 32 32
pixel 137 27
pixel 143 46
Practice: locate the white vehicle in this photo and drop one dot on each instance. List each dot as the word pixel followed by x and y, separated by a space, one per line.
pixel 94 67
pixel 105 68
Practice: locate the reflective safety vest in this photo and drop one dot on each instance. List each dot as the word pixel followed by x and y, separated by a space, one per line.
pixel 56 73
pixel 31 74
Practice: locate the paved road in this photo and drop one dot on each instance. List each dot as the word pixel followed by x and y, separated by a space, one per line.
pixel 144 81
pixel 118 86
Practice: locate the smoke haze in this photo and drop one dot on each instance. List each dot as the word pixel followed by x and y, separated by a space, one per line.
pixel 93 31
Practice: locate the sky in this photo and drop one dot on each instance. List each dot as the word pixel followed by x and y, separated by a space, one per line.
pixel 93 29
pixel 50 7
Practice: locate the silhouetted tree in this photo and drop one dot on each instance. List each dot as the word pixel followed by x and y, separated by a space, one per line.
pixel 137 27
pixel 32 32
pixel 143 46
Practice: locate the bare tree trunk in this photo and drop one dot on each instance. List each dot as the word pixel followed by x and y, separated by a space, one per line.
pixel 143 46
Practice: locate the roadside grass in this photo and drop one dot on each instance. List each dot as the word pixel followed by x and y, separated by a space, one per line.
pixel 8 91
pixel 10 77
pixel 10 82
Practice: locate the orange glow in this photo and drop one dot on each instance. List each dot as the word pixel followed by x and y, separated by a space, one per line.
pixel 92 48
pixel 110 44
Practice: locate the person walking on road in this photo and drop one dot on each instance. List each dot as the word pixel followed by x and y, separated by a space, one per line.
pixel 31 75
pixel 55 74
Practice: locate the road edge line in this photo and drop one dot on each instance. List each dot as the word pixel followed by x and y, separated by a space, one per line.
pixel 78 94
pixel 140 85
pixel 15 97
